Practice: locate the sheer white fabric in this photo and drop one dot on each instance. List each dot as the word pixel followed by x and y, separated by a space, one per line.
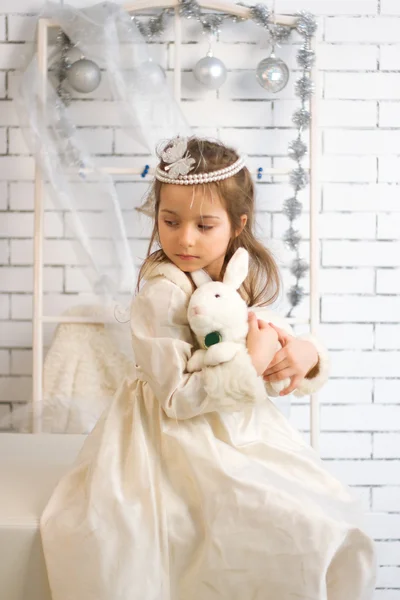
pixel 74 176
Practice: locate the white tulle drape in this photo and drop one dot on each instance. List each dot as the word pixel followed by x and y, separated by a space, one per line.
pixel 95 223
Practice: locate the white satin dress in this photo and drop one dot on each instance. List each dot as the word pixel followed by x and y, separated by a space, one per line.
pixel 193 488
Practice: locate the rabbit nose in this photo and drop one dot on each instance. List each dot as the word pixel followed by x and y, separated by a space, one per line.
pixel 196 310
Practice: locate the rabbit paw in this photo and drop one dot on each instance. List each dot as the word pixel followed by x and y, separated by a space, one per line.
pixel 220 353
pixel 196 361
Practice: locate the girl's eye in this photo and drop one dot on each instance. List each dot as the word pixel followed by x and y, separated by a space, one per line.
pixel 205 227
pixel 171 223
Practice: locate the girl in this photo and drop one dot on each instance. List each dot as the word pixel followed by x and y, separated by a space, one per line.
pixel 173 498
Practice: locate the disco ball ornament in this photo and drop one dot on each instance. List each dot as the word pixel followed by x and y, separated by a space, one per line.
pixel 210 72
pixel 272 74
pixel 84 76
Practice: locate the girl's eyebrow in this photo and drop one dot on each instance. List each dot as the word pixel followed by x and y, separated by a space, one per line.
pixel 172 212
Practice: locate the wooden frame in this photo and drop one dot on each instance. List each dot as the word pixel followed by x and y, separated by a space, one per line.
pixel 39 318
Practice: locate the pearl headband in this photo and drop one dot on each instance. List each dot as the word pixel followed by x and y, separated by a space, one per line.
pixel 180 163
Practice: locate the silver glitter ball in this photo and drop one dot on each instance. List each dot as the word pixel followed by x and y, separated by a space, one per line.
pixel 272 74
pixel 84 76
pixel 210 72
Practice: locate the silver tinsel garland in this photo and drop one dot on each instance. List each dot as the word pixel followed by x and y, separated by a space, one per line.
pixel 189 9
pixel 212 22
pixel 292 208
pixel 301 118
pixel 279 33
pixel 304 87
pixel 154 26
pixel 64 45
pixel 306 26
pixel 64 129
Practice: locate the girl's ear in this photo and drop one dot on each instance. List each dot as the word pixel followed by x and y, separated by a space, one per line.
pixel 237 269
pixel 243 223
pixel 200 277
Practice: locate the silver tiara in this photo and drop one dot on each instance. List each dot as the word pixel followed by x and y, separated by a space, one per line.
pixel 180 163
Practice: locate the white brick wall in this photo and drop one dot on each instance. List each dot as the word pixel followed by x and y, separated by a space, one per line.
pixel 359 60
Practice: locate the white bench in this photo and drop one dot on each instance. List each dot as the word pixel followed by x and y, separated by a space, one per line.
pixel 30 467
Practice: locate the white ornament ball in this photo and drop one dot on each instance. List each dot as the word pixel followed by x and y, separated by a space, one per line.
pixel 210 72
pixel 272 74
pixel 150 77
pixel 84 76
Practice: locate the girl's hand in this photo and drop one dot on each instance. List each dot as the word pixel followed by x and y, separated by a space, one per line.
pixel 262 340
pixel 295 360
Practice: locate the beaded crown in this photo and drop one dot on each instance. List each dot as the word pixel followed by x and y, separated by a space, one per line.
pixel 179 163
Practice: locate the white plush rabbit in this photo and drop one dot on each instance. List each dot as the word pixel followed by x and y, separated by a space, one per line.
pixel 219 318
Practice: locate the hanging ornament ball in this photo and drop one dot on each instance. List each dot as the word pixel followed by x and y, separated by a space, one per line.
pixel 84 76
pixel 73 55
pixel 272 74
pixel 149 77
pixel 210 72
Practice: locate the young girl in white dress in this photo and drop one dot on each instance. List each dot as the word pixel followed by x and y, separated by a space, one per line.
pixel 175 496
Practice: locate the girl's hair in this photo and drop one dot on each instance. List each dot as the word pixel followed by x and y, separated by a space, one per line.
pixel 262 284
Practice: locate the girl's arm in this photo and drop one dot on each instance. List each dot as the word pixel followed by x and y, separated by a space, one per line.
pixel 318 375
pixel 163 344
pixel 291 360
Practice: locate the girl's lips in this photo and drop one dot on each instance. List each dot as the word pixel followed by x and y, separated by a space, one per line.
pixel 186 256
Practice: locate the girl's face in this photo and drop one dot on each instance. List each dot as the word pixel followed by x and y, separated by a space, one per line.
pixel 194 228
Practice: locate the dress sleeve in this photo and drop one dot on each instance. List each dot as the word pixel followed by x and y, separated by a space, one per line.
pixel 320 374
pixel 163 343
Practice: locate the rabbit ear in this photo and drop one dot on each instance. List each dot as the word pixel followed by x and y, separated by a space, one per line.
pixel 237 269
pixel 200 277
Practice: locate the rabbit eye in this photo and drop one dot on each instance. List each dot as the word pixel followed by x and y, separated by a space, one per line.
pixel 217 295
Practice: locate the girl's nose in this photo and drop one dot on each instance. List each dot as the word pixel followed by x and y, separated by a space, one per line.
pixel 186 239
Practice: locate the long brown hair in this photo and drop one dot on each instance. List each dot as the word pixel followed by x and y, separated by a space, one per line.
pixel 262 285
